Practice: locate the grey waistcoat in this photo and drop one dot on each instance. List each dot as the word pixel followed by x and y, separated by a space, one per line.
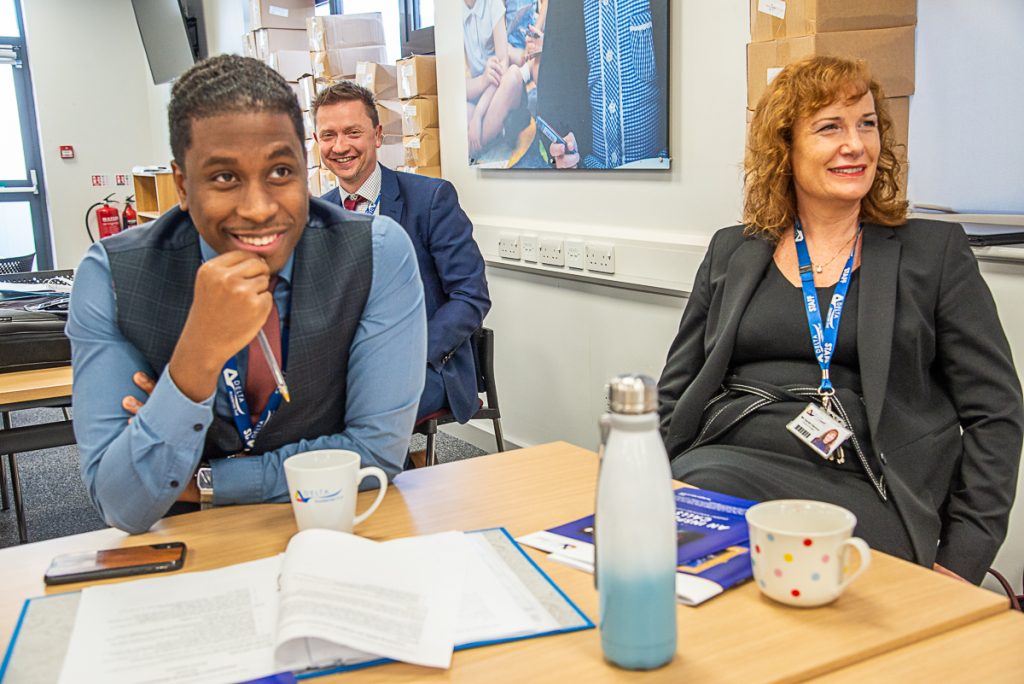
pixel 154 270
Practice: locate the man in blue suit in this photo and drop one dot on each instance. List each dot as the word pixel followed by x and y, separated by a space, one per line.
pixel 348 133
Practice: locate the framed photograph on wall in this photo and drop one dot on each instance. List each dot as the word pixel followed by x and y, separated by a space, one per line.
pixel 566 84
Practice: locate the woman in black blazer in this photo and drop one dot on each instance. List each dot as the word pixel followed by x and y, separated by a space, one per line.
pixel 919 371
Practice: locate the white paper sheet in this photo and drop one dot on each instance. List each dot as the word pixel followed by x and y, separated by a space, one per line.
pixel 215 627
pixel 407 595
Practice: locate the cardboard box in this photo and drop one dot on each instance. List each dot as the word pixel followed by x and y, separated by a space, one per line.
pixel 308 124
pixel 899 111
pixel 775 19
pixel 344 30
pixel 307 92
pixel 432 171
pixel 888 52
pixel 417 75
pixel 390 114
pixel 423 149
pixel 249 45
pixel 339 63
pixel 392 152
pixel 292 64
pixel 419 114
pixel 328 181
pixel 313 176
pixel 379 79
pixel 287 14
pixel 271 40
pixel 312 153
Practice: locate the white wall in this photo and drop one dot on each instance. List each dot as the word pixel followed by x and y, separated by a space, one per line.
pixel 96 95
pixel 558 341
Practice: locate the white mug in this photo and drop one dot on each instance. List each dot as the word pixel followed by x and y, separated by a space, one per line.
pixel 798 550
pixel 322 486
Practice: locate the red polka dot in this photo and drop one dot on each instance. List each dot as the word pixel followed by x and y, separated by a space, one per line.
pixel 795 592
pixel 807 542
pixel 757 547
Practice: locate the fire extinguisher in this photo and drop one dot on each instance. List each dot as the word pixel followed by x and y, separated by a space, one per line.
pixel 107 218
pixel 129 216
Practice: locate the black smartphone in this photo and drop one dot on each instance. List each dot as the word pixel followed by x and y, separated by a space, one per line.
pixel 130 560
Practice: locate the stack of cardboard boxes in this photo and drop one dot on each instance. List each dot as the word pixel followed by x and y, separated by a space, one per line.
pixel 278 36
pixel 382 81
pixel 421 140
pixel 881 32
pixel 337 43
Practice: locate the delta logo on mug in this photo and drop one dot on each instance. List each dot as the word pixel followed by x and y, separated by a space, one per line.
pixel 324 486
pixel 317 495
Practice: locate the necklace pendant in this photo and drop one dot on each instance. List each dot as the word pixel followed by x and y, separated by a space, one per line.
pixel 818 268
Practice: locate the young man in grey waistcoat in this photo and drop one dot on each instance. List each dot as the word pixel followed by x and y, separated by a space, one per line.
pixel 182 300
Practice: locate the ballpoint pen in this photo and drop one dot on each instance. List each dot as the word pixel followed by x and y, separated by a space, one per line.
pixel 275 369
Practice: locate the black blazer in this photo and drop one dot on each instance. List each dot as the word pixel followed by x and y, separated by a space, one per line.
pixel 942 396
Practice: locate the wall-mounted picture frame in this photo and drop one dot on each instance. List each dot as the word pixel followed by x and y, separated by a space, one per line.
pixel 566 84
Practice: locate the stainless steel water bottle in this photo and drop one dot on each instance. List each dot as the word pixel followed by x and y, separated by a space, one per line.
pixel 635 530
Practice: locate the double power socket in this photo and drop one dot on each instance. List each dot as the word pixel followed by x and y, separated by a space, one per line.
pixel 575 254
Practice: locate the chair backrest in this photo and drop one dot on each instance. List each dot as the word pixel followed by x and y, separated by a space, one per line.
pixel 17 264
pixel 483 349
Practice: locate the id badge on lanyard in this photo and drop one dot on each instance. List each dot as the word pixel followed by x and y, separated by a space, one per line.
pixel 247 430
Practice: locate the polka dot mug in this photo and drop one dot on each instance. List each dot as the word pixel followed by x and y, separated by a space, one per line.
pixel 799 550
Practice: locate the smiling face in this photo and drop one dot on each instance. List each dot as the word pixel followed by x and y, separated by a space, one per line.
pixel 348 142
pixel 244 184
pixel 835 153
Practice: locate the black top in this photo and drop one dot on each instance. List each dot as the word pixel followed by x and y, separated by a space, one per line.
pixel 773 345
pixel 773 341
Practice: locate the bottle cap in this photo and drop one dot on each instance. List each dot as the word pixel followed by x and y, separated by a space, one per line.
pixel 632 394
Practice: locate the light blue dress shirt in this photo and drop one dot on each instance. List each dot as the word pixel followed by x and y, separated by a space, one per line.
pixel 134 473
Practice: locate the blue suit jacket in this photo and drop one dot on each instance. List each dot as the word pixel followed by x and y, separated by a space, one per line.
pixel 452 270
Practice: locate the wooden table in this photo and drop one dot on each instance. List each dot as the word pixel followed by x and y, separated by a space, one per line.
pixel 24 390
pixel 737 637
pixel 33 387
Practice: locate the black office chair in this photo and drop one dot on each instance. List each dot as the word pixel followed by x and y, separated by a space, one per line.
pixel 20 264
pixel 483 351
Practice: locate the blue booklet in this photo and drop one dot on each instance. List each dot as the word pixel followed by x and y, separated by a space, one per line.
pixel 706 522
pixel 712 538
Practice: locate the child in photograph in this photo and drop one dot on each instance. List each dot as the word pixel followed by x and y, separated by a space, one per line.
pixel 494 83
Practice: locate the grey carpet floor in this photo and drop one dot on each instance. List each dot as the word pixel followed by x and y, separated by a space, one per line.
pixel 55 500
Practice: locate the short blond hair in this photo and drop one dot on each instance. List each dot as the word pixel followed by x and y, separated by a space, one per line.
pixel 798 91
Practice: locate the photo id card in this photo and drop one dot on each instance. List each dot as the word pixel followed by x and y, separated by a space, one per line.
pixel 820 430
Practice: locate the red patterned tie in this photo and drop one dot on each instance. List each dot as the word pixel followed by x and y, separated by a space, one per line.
pixel 351 202
pixel 259 381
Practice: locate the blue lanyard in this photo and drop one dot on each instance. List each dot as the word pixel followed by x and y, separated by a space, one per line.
pixel 240 407
pixel 823 337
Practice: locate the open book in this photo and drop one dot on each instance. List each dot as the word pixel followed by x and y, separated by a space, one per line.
pixel 332 601
pixel 712 543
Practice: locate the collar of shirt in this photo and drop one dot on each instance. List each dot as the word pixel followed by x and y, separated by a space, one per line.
pixel 368 192
pixel 209 252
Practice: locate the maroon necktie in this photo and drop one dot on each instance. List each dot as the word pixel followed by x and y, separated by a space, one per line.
pixel 351 202
pixel 259 381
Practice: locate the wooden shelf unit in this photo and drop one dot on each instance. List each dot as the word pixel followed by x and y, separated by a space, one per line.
pixel 154 194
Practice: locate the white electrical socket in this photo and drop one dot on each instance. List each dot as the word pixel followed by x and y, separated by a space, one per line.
pixel 601 257
pixel 508 246
pixel 575 254
pixel 529 247
pixel 550 252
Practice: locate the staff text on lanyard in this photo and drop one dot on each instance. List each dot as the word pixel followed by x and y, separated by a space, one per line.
pixel 823 334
